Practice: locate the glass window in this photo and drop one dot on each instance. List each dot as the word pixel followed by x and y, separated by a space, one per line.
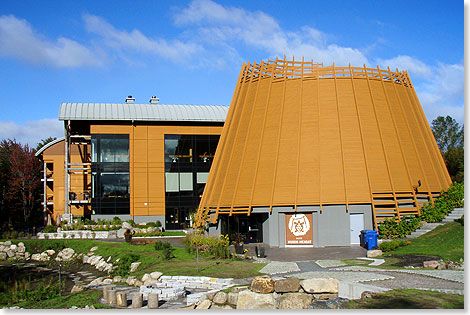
pixel 114 150
pixel 114 185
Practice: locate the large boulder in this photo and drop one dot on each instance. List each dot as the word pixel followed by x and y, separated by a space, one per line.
pixel 294 301
pixel 10 253
pixel 220 298
pixel 336 303
pixel 13 247
pixel 50 252
pixel 329 285
pixel 3 256
pixel 77 288
pixel 36 257
pixel 262 284
pixel 287 285
pixel 120 233
pixel 374 253
pixel 66 254
pixel 232 298
pixel 252 300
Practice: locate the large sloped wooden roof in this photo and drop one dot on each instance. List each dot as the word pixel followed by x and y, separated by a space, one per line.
pixel 300 133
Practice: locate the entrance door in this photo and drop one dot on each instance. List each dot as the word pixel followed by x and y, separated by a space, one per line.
pixel 356 224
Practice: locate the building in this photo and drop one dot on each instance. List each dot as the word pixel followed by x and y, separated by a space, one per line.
pixel 311 155
pixel 145 162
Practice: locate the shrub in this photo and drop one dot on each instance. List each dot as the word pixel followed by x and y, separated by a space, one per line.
pixel 14 234
pixel 124 265
pixel 50 229
pixel 131 222
pixel 391 245
pixel 390 229
pixel 452 198
pixel 116 220
pixel 461 220
pixel 158 223
pixel 217 247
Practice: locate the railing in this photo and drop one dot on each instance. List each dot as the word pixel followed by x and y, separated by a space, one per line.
pixel 283 69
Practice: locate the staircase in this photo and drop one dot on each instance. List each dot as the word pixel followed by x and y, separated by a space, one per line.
pixel 451 217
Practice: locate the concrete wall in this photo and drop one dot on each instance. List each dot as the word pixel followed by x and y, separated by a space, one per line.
pixel 331 226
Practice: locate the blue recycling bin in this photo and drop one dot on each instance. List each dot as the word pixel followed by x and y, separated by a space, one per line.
pixel 369 239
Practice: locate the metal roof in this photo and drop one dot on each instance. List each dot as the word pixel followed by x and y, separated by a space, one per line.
pixel 142 112
pixel 47 145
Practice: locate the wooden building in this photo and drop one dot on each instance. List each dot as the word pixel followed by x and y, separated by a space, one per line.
pixel 341 147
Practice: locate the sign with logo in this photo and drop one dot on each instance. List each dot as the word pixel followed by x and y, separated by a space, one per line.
pixel 299 229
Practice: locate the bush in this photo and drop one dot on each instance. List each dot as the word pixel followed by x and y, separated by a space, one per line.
pixel 50 229
pixel 391 245
pixel 124 265
pixel 461 220
pixel 116 221
pixel 158 223
pixel 443 205
pixel 217 247
pixel 390 229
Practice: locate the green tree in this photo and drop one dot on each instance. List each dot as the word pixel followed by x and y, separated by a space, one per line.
pixel 450 139
pixel 448 133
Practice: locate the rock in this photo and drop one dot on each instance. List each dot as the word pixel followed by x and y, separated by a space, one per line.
pixel 262 284
pixel 220 298
pixel 149 281
pixel 96 281
pixel 293 301
pixel 50 252
pixel 7 243
pixel 107 281
pixel 36 257
pixel 66 254
pixel 27 255
pixel 320 285
pixel 3 256
pixel 325 296
pixel 117 279
pixel 232 298
pixel 238 289
pixel 20 244
pixel 287 285
pixel 137 283
pixel 112 296
pixel 44 257
pixel 252 300
pixel 204 305
pixel 13 247
pixel 85 259
pixel 145 277
pixel 221 307
pixel 152 301
pixel 210 295
pixel 130 280
pixel 93 248
pixel 374 253
pixel 137 300
pixel 337 303
pixel 156 275
pixel 189 307
pixel 77 288
pixel 120 233
pixel 121 299
pixel 126 225
pixel 2 248
pixel 10 253
pixel 20 249
pixel 431 264
pixel 135 265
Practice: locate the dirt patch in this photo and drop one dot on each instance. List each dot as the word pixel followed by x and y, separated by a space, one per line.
pixel 412 260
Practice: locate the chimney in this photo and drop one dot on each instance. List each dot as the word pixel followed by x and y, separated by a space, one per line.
pixel 154 100
pixel 130 100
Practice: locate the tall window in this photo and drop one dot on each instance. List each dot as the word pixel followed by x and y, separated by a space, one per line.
pixel 110 172
pixel 188 159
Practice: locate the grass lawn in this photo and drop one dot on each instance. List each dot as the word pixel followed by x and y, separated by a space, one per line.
pixel 183 264
pixel 410 299
pixel 446 241
pixel 87 297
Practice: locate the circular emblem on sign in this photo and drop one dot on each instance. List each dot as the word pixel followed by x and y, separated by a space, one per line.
pixel 299 224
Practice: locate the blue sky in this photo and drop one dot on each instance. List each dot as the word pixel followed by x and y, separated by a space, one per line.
pixel 190 52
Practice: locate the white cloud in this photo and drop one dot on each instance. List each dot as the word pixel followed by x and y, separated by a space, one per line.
pixel 214 24
pixel 414 66
pixel 134 40
pixel 19 40
pixel 31 132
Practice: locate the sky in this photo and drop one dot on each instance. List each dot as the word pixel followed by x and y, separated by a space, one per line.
pixel 191 52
